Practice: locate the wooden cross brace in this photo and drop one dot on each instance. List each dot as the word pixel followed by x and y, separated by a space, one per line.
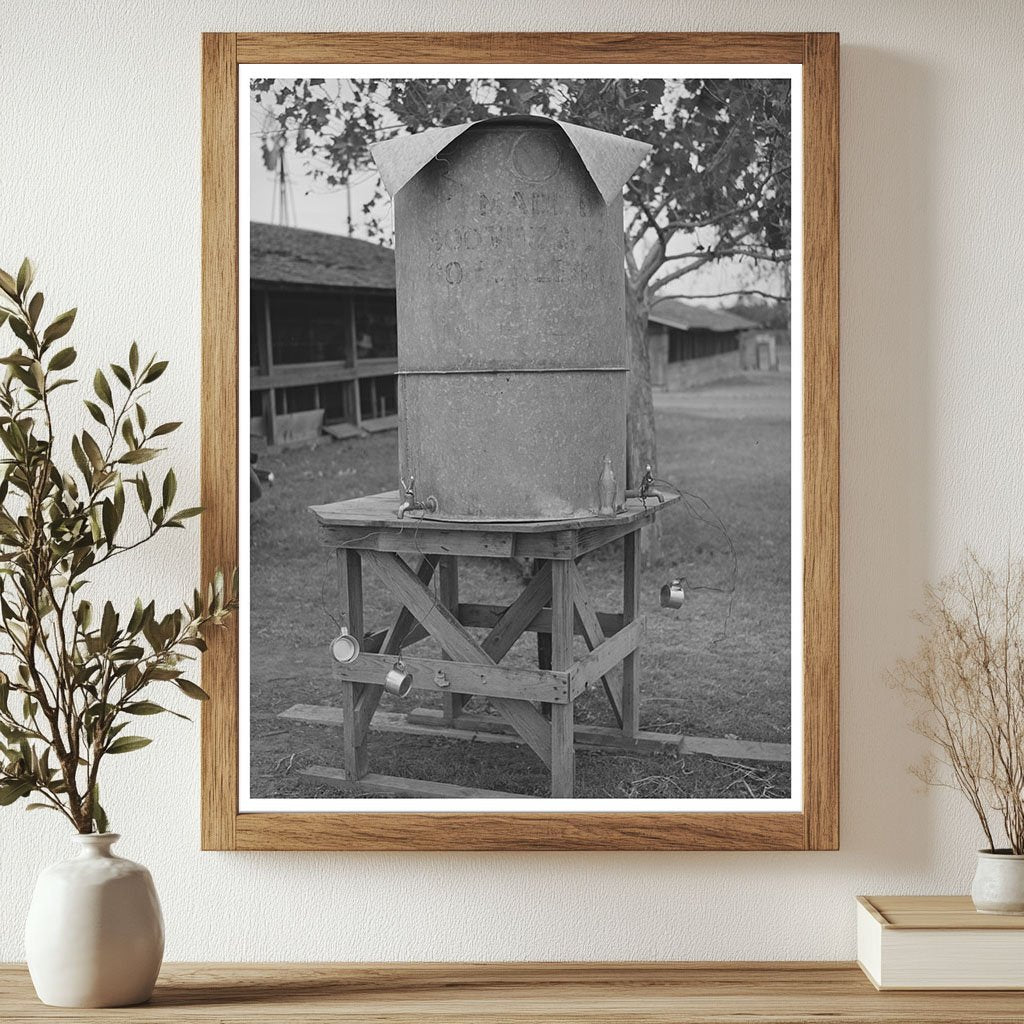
pixel 557 583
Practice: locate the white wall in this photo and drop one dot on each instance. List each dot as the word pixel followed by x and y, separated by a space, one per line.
pixel 99 181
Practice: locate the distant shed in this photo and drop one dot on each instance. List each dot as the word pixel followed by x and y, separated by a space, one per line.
pixel 323 343
pixel 679 332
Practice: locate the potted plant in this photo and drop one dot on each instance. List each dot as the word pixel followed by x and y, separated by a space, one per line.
pixel 78 671
pixel 967 681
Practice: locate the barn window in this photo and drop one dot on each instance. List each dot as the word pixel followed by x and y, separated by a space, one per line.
pixel 309 328
pixel 376 327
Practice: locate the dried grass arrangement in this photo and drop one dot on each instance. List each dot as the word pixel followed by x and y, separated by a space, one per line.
pixel 966 681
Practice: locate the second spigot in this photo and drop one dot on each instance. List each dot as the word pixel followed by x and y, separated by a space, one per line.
pixel 410 504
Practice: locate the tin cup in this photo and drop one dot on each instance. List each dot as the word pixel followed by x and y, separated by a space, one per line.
pixel 344 647
pixel 398 681
pixel 672 594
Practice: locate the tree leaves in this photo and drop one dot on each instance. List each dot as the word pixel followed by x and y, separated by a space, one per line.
pixel 102 388
pixel 191 690
pixel 84 678
pixel 59 327
pixel 63 359
pixel 126 744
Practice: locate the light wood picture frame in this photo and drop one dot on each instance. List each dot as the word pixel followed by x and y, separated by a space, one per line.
pixel 816 825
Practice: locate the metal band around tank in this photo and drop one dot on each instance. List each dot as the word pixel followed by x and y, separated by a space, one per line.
pixel 519 369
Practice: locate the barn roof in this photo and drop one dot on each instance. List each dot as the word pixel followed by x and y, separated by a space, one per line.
pixel 687 317
pixel 280 255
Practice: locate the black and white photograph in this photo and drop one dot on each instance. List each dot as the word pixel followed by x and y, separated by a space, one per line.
pixel 523 435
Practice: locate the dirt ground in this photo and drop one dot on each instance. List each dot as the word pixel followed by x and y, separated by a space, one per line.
pixel 719 666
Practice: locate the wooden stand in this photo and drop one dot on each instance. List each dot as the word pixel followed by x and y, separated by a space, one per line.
pixel 536 705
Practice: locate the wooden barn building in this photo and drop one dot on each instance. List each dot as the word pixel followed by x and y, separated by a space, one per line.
pixel 323 341
pixel 680 333
pixel 324 346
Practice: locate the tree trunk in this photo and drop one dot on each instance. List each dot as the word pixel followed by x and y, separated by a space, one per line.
pixel 640 441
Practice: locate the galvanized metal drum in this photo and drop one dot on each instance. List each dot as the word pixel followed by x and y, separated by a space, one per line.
pixel 511 333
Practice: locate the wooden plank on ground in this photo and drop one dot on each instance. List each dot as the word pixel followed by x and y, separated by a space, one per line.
pixel 607 738
pixel 394 786
pixel 395 722
pixel 428 722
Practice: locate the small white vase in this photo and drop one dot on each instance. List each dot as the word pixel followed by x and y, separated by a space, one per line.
pixel 95 934
pixel 999 883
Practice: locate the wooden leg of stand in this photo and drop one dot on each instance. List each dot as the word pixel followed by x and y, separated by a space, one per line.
pixel 448 568
pixel 563 754
pixel 350 568
pixel 630 610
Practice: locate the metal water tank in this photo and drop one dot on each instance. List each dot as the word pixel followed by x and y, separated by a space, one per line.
pixel 512 352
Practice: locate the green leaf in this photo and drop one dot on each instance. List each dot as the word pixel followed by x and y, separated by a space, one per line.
pixel 145 497
pixel 126 744
pixel 138 455
pixel 109 518
pixel 166 428
pixel 128 433
pixel 121 374
pixel 20 329
pixel 155 371
pixel 108 626
pixel 60 326
pixel 143 707
pixel 11 791
pixel 26 274
pixel 102 388
pixel 95 412
pixel 147 707
pixel 185 513
pixel 170 488
pixel 34 308
pixel 92 449
pixel 99 816
pixel 8 284
pixel 41 807
pixel 81 461
pixel 84 614
pixel 133 357
pixel 63 359
pixel 191 690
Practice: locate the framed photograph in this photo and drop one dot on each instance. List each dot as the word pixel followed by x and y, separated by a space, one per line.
pixel 520 420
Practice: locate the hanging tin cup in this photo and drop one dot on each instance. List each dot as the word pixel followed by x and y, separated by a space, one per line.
pixel 672 594
pixel 344 647
pixel 398 681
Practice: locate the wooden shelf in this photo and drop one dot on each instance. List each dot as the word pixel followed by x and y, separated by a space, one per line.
pixel 792 993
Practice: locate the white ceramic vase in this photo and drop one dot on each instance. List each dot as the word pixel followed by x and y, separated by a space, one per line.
pixel 95 934
pixel 999 883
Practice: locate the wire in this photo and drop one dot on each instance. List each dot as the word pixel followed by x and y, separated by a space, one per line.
pixel 715 522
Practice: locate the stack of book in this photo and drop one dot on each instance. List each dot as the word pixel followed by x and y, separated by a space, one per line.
pixel 938 942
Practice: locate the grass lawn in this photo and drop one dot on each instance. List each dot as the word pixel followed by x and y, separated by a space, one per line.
pixel 719 666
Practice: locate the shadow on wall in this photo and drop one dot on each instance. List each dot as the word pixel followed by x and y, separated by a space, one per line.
pixel 888 279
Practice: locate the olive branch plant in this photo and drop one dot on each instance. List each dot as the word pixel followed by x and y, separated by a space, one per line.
pixel 966 681
pixel 74 676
